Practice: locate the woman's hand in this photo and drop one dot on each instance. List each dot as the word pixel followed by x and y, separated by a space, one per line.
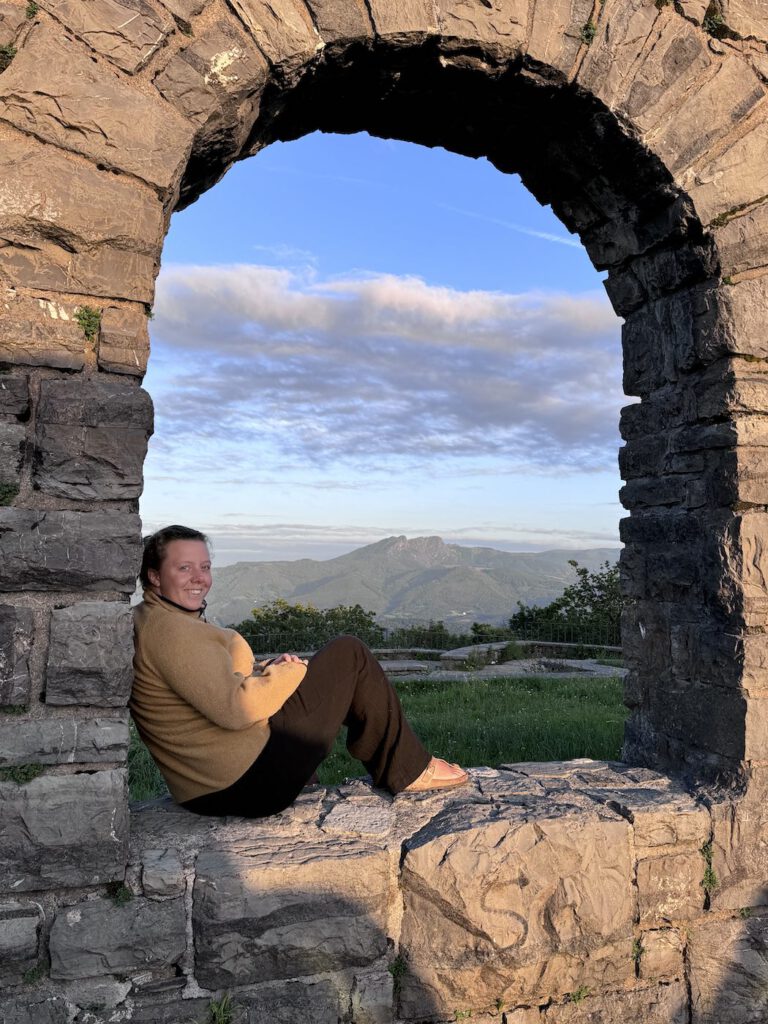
pixel 283 658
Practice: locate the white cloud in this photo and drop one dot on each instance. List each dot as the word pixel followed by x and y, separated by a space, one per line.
pixel 379 367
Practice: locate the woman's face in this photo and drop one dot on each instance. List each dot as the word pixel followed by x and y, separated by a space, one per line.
pixel 185 573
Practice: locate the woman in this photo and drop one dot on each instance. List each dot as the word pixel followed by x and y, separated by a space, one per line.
pixel 234 737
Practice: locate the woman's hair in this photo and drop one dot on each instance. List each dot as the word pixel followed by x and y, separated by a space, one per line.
pixel 156 543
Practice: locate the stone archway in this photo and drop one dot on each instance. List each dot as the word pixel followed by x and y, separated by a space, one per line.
pixel 643 124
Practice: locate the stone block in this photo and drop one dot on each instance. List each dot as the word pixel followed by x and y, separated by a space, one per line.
pixel 37 332
pixel 734 177
pixel 372 998
pixel 739 848
pixel 162 874
pixel 748 18
pixel 77 229
pixel 728 971
pixel 221 68
pixel 30 1009
pixel 662 1004
pixel 16 626
pixel 555 36
pixel 502 24
pixel 14 396
pixel 12 448
pixel 12 19
pixel 19 939
pixel 617 50
pixel 123 340
pixel 91 439
pixel 283 29
pixel 403 19
pixel 127 32
pixel 743 306
pixel 324 1001
pixel 669 887
pixel 90 655
pixel 341 19
pixel 100 937
pixel 68 550
pixel 185 10
pixel 76 740
pixel 742 243
pixel 63 830
pixel 86 110
pixel 661 957
pixel 288 909
pixel 522 903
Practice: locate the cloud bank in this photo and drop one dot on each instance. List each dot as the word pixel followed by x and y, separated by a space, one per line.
pixel 369 368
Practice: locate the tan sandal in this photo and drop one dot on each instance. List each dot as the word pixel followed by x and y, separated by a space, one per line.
pixel 429 779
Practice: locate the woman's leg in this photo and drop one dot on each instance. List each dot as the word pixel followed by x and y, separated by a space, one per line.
pixel 344 685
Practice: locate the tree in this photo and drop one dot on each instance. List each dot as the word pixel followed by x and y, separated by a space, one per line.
pixel 588 611
pixel 280 626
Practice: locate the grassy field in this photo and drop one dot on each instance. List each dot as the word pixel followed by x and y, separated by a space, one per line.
pixel 483 722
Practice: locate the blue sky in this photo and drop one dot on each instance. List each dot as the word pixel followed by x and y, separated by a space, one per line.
pixel 355 338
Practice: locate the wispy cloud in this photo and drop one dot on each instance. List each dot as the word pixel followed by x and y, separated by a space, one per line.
pixel 367 369
pixel 520 229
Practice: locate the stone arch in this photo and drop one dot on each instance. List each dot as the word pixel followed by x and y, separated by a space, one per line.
pixel 642 123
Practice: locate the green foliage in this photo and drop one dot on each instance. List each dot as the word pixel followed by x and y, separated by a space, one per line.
pixel 119 893
pixel 7 53
pixel 7 493
pixel 434 635
pixel 713 19
pixel 588 611
pixel 32 9
pixel 220 1010
pixel 580 994
pixel 588 32
pixel 89 320
pixel 661 4
pixel 709 881
pixel 462 1014
pixel 144 779
pixel 280 626
pixel 21 773
pixel 637 952
pixel 14 709
pixel 745 913
pixel 511 652
pixel 398 969
pixel 34 974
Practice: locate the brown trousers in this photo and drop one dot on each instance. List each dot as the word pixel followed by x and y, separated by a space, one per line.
pixel 344 685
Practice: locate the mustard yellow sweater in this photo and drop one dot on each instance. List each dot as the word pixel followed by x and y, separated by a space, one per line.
pixel 198 701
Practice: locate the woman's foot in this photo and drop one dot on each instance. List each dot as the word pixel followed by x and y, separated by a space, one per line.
pixel 438 774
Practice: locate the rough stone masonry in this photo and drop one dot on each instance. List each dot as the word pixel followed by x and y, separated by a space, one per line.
pixel 561 893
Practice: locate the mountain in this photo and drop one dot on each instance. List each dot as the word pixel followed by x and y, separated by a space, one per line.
pixel 405 581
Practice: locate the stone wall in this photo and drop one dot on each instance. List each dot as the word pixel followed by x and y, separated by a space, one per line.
pixel 643 123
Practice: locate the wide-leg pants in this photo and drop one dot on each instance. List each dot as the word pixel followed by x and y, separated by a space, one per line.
pixel 344 685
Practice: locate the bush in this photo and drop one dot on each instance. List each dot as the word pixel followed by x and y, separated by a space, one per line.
pixel 280 626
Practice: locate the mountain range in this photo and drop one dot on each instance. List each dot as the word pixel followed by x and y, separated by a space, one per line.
pixel 405 581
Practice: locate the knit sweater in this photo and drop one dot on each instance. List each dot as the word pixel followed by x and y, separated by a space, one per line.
pixel 198 701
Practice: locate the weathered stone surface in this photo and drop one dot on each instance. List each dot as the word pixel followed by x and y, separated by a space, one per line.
pixel 63 741
pixel 19 939
pixel 408 16
pixel 123 340
pixel 38 332
pixel 12 445
pixel 14 396
pixel 729 971
pixel 219 77
pixel 624 33
pixel 128 32
pixel 68 550
pixel 501 22
pixel 90 655
pixel 77 229
pixel 324 1001
pixel 30 1009
pixel 283 29
pixel 185 10
pixel 15 644
pixel 743 318
pixel 555 36
pixel 735 176
pixel 12 19
pixel 372 998
pixel 63 830
pixel 546 905
pixel 742 243
pixel 748 18
pixel 85 109
pixel 287 910
pixel 666 1004
pixel 661 955
pixel 341 20
pixel 91 439
pixel 99 937
pixel 162 875
pixel 739 849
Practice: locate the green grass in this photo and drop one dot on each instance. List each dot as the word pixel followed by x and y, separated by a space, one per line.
pixel 483 722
